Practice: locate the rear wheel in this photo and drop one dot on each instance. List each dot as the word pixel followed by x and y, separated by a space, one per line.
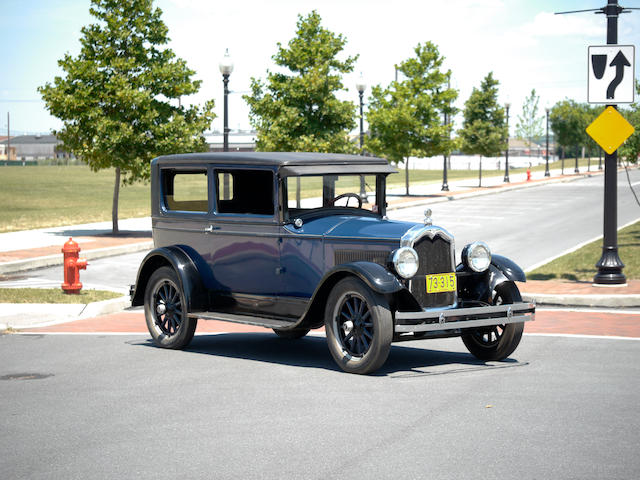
pixel 496 342
pixel 165 310
pixel 359 326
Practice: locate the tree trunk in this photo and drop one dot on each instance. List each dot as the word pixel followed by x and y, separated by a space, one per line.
pixel 114 209
pixel 480 172
pixel 406 175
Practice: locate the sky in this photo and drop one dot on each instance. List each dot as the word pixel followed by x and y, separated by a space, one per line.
pixel 522 42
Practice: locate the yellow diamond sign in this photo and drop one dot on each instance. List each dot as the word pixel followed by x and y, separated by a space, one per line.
pixel 610 130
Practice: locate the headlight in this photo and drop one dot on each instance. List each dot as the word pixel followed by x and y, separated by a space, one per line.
pixel 476 256
pixel 405 261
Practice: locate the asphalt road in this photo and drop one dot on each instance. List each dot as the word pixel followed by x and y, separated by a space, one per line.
pixel 534 224
pixel 527 225
pixel 255 406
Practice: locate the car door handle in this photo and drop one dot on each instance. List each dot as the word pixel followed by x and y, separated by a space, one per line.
pixel 210 229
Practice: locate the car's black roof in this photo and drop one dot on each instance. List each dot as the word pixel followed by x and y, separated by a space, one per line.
pixel 271 158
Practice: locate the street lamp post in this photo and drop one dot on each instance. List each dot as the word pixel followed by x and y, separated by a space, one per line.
pixel 226 67
pixel 361 86
pixel 447 119
pixel 546 168
pixel 506 153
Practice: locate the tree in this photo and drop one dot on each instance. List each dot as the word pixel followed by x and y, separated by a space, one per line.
pixel 300 111
pixel 631 148
pixel 529 124
pixel 115 98
pixel 569 119
pixel 484 129
pixel 406 118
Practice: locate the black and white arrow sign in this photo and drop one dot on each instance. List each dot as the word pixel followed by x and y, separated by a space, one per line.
pixel 611 74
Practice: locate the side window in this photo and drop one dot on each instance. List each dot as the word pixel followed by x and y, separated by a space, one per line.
pixel 185 190
pixel 245 191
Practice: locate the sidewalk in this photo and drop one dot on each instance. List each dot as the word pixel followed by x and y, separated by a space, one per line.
pixel 26 250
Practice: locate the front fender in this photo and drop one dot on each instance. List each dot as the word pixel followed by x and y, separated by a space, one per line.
pixel 480 286
pixel 375 276
pixel 186 267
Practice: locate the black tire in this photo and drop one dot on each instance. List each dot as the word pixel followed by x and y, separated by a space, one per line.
pixel 499 341
pixel 165 310
pixel 294 334
pixel 359 326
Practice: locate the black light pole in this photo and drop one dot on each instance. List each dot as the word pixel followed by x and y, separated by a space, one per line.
pixel 226 67
pixel 447 119
pixel 610 266
pixel 546 168
pixel 361 86
pixel 506 153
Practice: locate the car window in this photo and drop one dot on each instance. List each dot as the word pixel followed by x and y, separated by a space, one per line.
pixel 245 191
pixel 312 192
pixel 185 191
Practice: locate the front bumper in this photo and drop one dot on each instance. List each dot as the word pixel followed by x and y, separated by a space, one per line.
pixel 434 320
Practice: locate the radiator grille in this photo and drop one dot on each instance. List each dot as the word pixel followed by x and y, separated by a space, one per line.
pixel 435 257
pixel 346 256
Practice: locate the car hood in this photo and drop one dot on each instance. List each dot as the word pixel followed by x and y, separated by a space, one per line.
pixel 344 226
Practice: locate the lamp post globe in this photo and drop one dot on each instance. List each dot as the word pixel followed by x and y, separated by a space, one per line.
pixel 226 67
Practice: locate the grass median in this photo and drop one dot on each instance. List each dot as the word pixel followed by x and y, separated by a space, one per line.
pixel 580 265
pixel 53 295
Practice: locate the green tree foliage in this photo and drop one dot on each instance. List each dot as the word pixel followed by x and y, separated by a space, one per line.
pixel 299 111
pixel 406 118
pixel 484 130
pixel 569 119
pixel 529 124
pixel 631 148
pixel 115 97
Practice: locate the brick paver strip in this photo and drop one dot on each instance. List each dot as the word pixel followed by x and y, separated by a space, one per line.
pixel 547 321
pixel 86 243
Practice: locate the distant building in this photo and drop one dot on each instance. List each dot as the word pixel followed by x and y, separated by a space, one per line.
pixel 3 149
pixel 239 141
pixel 35 147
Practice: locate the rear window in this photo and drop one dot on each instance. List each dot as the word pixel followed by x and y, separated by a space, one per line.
pixel 185 191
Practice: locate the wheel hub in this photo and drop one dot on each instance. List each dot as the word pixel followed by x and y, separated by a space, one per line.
pixel 347 327
pixel 161 309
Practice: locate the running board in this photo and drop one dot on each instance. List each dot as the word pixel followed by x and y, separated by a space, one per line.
pixel 245 319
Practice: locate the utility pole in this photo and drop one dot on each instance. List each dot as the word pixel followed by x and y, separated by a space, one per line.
pixel 610 266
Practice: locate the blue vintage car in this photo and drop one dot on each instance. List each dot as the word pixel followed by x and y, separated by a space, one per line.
pixel 298 241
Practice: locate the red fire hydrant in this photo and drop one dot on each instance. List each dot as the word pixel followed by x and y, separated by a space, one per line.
pixel 528 174
pixel 72 266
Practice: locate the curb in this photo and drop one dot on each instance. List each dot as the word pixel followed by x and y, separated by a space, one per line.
pixel 426 200
pixel 54 260
pixel 60 312
pixel 606 301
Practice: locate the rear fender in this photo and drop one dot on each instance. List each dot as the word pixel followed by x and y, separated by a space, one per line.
pixel 189 267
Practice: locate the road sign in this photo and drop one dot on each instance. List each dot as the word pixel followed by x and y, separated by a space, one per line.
pixel 611 76
pixel 610 130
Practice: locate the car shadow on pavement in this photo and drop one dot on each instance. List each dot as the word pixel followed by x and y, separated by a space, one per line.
pixel 312 352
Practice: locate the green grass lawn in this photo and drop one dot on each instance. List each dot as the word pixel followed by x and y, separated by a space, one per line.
pixel 53 295
pixel 47 196
pixel 580 265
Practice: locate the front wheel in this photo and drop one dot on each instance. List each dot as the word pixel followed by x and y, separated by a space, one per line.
pixel 496 342
pixel 359 326
pixel 165 310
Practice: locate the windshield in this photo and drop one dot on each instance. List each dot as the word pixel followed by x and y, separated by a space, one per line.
pixel 355 194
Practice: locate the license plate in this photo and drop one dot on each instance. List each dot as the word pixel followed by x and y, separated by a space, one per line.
pixel 441 282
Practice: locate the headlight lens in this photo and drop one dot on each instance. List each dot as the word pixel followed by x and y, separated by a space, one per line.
pixel 476 256
pixel 405 261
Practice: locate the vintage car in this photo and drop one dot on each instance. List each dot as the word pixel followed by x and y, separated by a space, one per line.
pixel 298 241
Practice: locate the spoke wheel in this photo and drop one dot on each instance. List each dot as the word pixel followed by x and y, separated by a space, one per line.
pixel 359 326
pixel 165 310
pixel 496 342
